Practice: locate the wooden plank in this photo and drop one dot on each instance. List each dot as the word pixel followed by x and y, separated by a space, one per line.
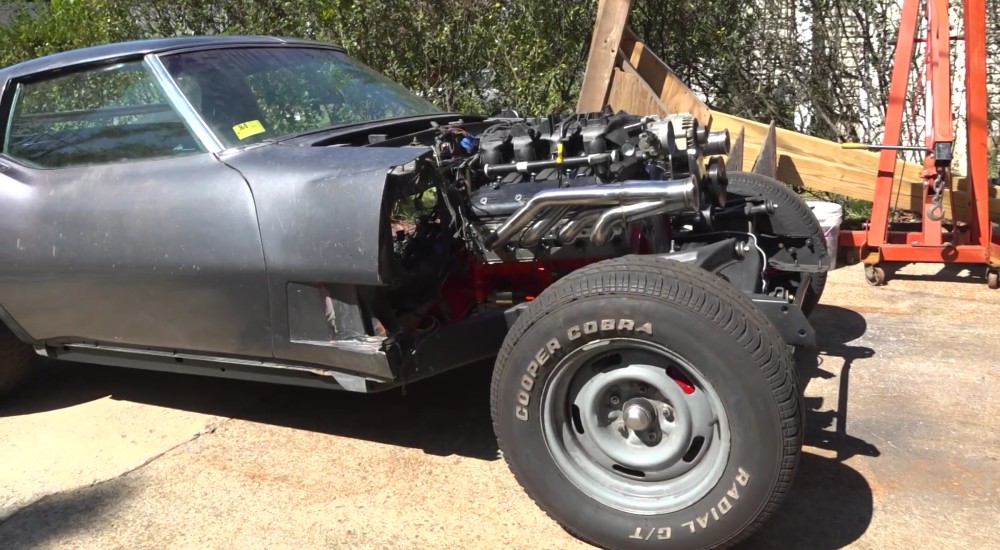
pixel 671 91
pixel 962 184
pixel 611 18
pixel 632 94
pixel 801 144
pixel 624 64
pixel 767 158
pixel 735 161
pixel 825 166
pixel 819 175
pixel 802 161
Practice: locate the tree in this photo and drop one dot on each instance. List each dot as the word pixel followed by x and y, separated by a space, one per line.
pixel 819 66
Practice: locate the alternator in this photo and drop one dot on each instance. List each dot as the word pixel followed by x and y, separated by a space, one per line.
pixel 681 128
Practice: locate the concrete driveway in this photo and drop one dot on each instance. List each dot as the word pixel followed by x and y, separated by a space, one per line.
pixel 903 396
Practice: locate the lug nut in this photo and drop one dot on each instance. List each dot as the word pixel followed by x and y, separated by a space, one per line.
pixel 615 400
pixel 642 388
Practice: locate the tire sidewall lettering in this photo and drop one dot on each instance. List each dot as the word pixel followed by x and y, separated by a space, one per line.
pixel 704 519
pixel 550 352
pixel 726 508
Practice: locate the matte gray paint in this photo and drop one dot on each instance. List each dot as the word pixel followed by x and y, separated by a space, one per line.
pixel 168 254
pixel 255 371
pixel 320 215
pixel 163 252
pixel 319 207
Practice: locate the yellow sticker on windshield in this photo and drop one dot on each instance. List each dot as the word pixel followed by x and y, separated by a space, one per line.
pixel 247 129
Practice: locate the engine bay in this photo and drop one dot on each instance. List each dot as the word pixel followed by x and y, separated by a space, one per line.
pixel 500 208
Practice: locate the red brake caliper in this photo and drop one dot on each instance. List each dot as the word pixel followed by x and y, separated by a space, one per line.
pixel 681 380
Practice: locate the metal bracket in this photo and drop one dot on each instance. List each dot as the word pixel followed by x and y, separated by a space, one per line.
pixel 791 322
pixel 798 253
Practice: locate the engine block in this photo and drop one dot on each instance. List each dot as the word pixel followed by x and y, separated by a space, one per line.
pixel 580 179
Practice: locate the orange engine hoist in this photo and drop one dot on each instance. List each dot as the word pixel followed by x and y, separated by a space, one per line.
pixel 970 237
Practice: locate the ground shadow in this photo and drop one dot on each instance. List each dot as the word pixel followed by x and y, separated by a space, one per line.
pixel 830 504
pixel 836 328
pixel 951 273
pixel 43 522
pixel 445 415
pixel 54 385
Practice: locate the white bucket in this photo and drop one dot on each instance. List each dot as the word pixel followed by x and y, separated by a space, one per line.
pixel 830 215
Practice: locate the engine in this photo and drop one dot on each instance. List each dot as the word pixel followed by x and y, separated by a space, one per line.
pixel 530 199
pixel 533 187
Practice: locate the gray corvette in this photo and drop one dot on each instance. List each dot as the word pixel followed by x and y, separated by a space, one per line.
pixel 273 210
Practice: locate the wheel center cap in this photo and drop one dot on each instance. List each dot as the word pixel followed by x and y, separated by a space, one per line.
pixel 638 414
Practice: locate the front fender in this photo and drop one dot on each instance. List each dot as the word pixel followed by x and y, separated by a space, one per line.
pixel 321 209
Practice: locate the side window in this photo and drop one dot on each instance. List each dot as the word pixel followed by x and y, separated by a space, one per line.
pixel 103 115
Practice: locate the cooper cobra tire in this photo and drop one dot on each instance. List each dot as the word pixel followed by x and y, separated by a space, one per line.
pixel 632 332
pixel 793 216
pixel 16 360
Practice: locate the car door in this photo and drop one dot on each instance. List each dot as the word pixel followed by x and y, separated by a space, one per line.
pixel 118 226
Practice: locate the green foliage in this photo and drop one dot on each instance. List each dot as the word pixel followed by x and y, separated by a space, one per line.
pixel 820 66
pixel 691 32
pixel 475 55
pixel 471 56
pixel 296 18
pixel 43 28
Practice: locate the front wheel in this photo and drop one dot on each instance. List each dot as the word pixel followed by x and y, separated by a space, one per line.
pixel 792 217
pixel 644 403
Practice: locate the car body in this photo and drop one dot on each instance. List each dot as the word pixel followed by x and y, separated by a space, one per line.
pixel 125 261
pixel 271 209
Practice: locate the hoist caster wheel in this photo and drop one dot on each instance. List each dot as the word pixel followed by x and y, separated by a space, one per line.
pixel 993 279
pixel 875 275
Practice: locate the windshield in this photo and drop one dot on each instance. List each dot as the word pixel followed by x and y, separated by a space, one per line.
pixel 246 95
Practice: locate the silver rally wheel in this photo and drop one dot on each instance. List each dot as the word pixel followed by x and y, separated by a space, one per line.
pixel 644 403
pixel 635 426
